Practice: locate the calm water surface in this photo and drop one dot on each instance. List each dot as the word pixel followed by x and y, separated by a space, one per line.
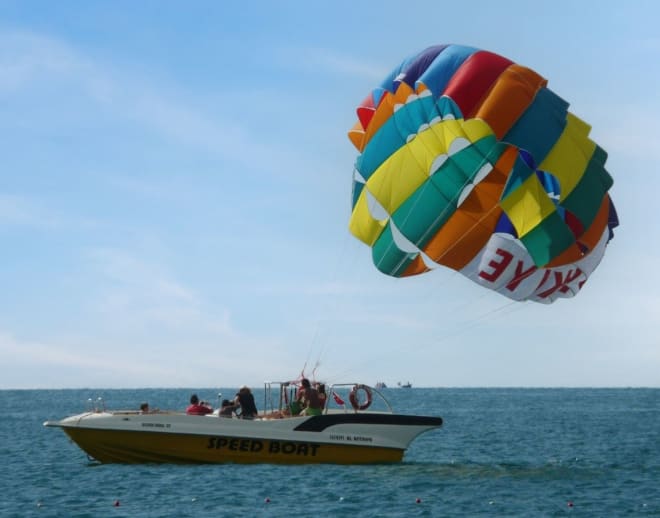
pixel 501 452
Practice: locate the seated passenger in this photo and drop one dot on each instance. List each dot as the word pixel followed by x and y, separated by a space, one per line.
pixel 198 408
pixel 227 408
pixel 245 401
pixel 308 397
pixel 144 408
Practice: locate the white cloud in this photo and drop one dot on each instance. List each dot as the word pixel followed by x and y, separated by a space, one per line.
pixel 26 56
pixel 139 293
pixel 45 356
pixel 17 210
pixel 335 63
pixel 99 361
pixel 29 59
pixel 30 212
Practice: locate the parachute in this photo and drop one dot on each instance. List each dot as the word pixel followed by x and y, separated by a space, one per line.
pixel 468 161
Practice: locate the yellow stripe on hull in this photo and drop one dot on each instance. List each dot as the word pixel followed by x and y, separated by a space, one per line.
pixel 115 446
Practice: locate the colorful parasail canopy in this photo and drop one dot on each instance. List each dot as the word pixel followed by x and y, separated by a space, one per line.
pixel 469 161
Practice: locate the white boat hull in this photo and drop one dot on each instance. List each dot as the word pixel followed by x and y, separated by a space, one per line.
pixel 337 437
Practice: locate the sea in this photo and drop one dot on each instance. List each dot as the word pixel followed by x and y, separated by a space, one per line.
pixel 501 452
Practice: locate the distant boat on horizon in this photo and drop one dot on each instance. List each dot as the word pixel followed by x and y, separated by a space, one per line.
pixel 405 385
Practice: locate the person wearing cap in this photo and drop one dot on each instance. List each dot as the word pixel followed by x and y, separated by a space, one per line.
pixel 245 401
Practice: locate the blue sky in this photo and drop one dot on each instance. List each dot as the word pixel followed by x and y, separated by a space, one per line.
pixel 175 185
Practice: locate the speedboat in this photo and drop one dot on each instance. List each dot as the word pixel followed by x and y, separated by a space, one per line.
pixel 356 426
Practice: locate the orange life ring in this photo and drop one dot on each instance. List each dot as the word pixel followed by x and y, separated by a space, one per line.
pixel 355 401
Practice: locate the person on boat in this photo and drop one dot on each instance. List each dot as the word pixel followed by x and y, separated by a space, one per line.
pixel 245 401
pixel 198 408
pixel 323 397
pixel 308 398
pixel 144 408
pixel 227 408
